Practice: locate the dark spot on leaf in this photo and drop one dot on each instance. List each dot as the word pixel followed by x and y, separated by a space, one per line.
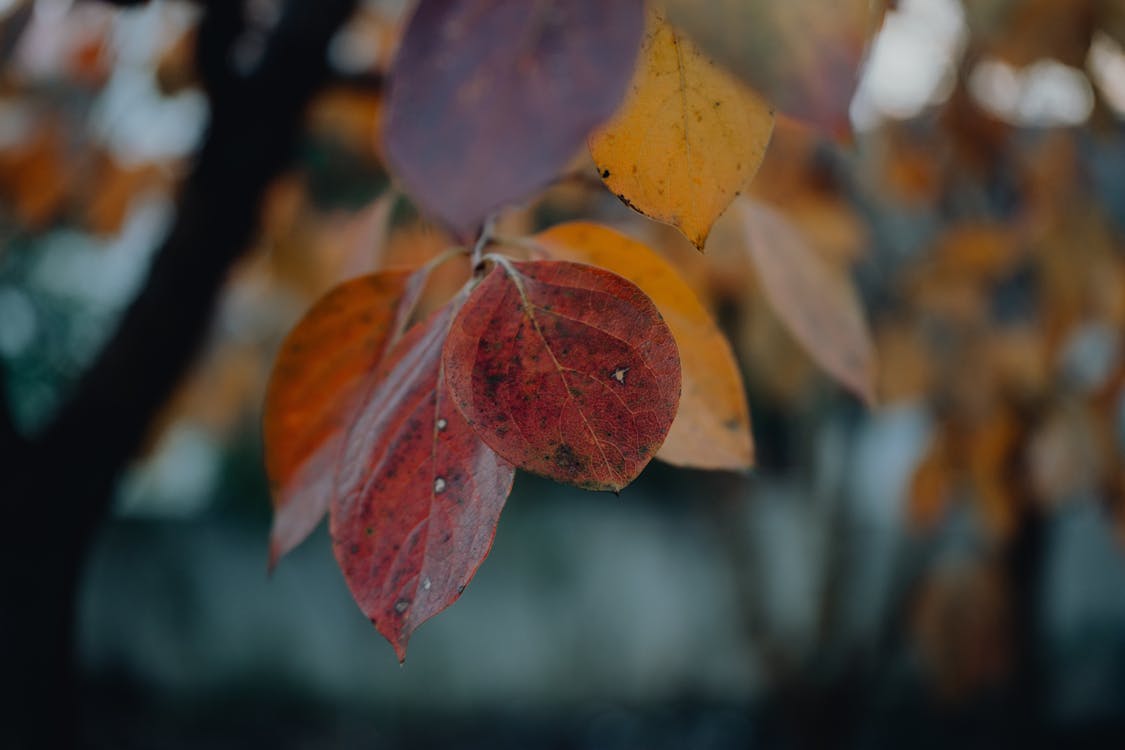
pixel 566 459
pixel 628 203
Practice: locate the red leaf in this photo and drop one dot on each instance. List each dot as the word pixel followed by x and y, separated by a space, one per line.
pixel 490 99
pixel 322 371
pixel 712 427
pixel 566 370
pixel 417 495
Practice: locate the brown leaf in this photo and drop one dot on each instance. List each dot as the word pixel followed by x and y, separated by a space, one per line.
pixel 804 56
pixel 960 624
pixel 35 174
pixel 815 300
pixel 1024 31
pixel 489 100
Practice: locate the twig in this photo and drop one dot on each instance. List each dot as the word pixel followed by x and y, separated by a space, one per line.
pixel 482 242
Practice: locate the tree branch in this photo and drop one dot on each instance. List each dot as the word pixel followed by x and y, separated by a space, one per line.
pixel 371 82
pixel 256 120
pixel 60 489
pixel 11 443
pixel 135 3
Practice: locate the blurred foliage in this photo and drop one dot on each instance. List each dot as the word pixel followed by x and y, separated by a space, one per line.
pixel 983 219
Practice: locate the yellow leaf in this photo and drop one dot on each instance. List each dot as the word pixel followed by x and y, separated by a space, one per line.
pixel 688 138
pixel 816 300
pixel 712 428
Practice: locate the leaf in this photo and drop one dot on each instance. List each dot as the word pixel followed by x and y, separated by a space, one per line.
pixel 804 56
pixel 113 189
pixel 688 138
pixel 489 99
pixel 712 427
pixel 418 494
pixel 565 370
pixel 815 300
pixel 37 175
pixel 363 237
pixel 321 373
pixel 1023 31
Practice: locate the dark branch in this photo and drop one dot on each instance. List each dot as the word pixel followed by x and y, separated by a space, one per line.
pixel 372 82
pixel 59 490
pixel 256 119
pixel 11 443
pixel 135 3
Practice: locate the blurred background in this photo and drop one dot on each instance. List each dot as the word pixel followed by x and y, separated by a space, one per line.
pixel 944 568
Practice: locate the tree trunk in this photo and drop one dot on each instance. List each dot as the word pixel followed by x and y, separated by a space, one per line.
pixel 58 486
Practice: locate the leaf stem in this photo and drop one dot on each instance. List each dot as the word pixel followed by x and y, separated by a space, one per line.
pixel 446 255
pixel 482 241
pixel 533 249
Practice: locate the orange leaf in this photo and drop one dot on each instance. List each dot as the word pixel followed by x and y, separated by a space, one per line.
pixel 815 300
pixel 565 370
pixel 688 139
pixel 322 372
pixel 712 427
pixel 418 493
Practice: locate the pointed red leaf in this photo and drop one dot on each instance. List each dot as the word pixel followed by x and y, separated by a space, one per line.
pixel 320 375
pixel 566 370
pixel 490 99
pixel 417 495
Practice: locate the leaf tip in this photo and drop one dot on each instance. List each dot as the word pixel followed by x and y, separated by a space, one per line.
pixel 274 556
pixel 698 238
pixel 865 388
pixel 397 638
pixel 870 400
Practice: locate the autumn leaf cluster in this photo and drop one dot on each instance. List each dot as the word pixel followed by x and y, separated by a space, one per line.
pixel 578 353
